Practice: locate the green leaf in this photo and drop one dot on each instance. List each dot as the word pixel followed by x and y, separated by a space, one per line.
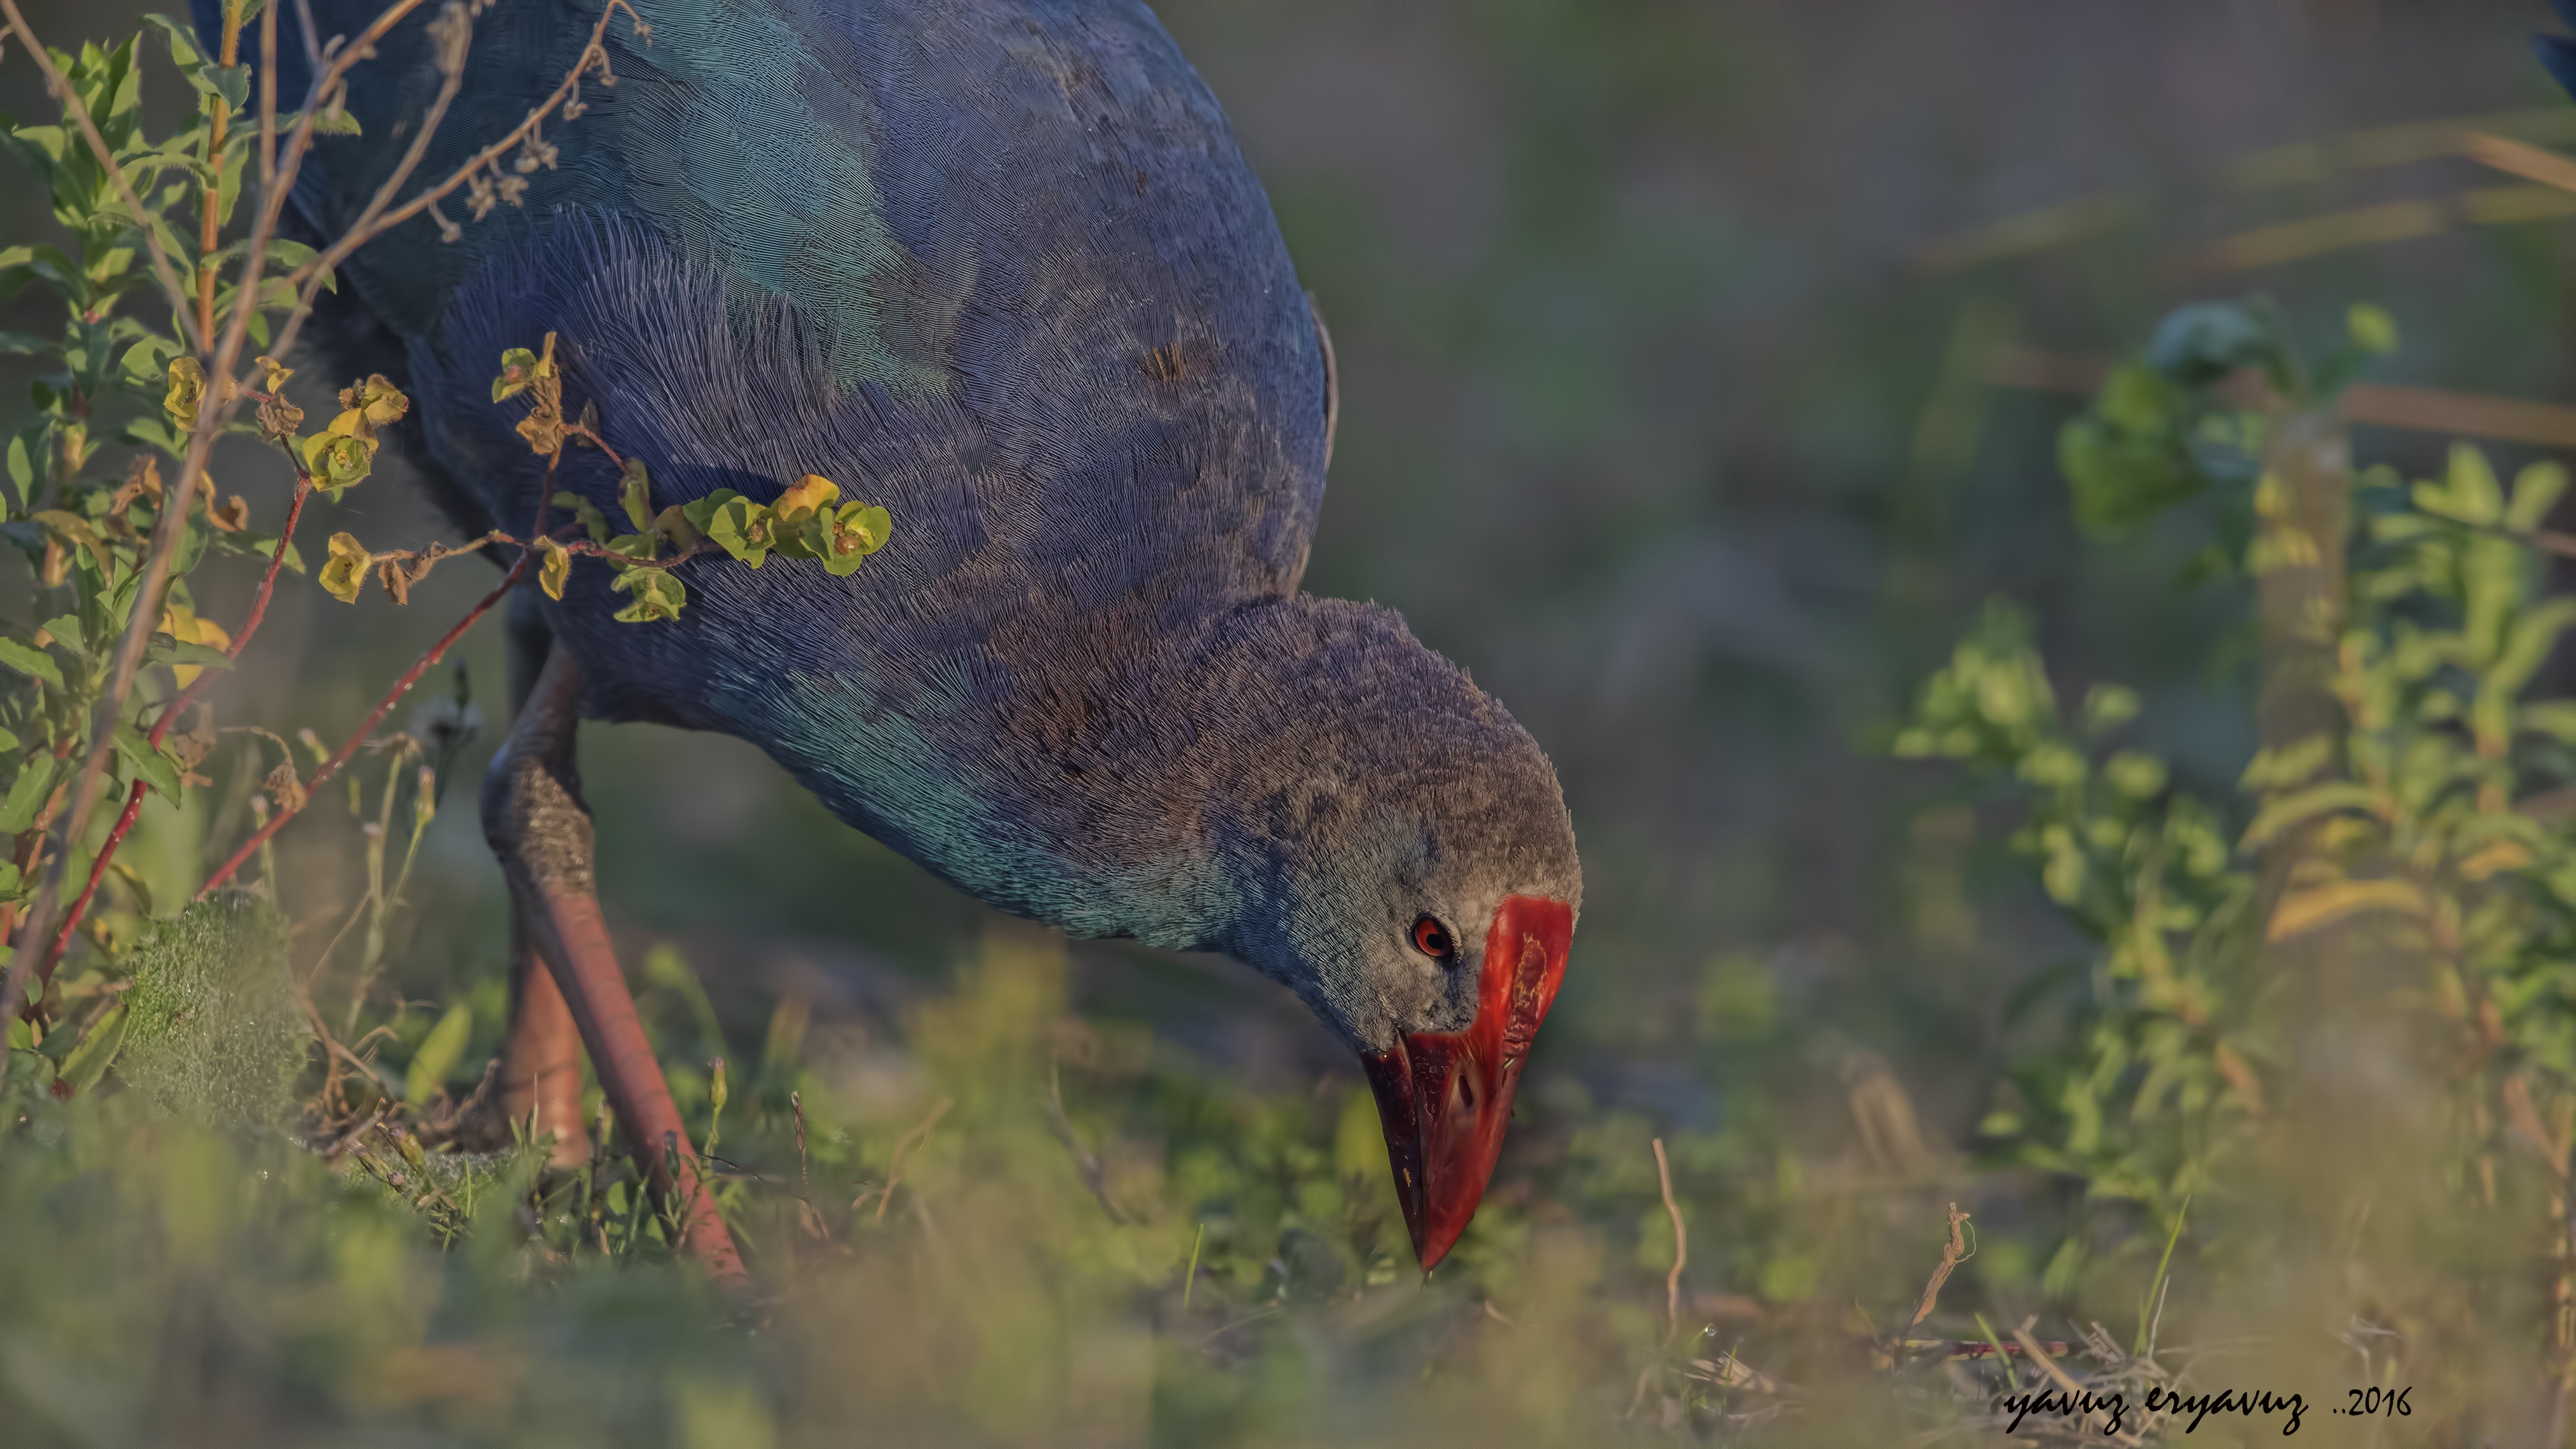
pixel 345 573
pixel 66 630
pixel 2371 328
pixel 183 40
pixel 642 547
pixel 438 1052
pixel 166 650
pixel 635 495
pixel 97 1051
pixel 2200 343
pixel 29 792
pixel 699 511
pixel 518 369
pixel 27 343
pixel 2555 718
pixel 2467 492
pixel 553 568
pixel 657 595
pixel 150 765
pixel 337 461
pixel 593 522
pixel 2536 490
pixel 31 661
pixel 2306 804
pixel 741 528
pixel 154 433
pixel 22 463
pixel 146 364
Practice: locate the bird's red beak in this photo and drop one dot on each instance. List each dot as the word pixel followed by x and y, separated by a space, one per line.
pixel 1445 1097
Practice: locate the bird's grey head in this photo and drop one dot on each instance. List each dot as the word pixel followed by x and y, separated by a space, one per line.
pixel 1417 881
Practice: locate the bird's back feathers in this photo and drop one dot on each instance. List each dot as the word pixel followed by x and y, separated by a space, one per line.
pixel 1000 268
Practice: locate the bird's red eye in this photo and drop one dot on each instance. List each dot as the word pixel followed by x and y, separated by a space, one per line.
pixel 1431 938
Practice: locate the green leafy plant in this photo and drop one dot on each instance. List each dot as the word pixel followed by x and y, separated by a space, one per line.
pixel 2397 857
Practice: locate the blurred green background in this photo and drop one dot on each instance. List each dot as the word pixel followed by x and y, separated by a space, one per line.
pixel 1659 327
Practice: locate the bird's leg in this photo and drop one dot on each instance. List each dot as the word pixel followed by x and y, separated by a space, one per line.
pixel 536 1082
pixel 535 820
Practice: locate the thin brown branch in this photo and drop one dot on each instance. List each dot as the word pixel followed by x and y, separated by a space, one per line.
pixel 1681 1242
pixel 2412 409
pixel 376 221
pixel 2519 158
pixel 1729 1372
pixel 451 64
pixel 61 88
pixel 210 206
pixel 894 1163
pixel 1951 1253
pixel 384 706
pixel 1086 1164
pixel 2038 1353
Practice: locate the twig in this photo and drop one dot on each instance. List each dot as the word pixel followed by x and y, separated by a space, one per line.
pixel 2519 158
pixel 2565 1388
pixel 308 277
pixel 451 65
pixel 1972 1347
pixel 2413 409
pixel 1190 1274
pixel 367 727
pixel 894 1163
pixel 804 1178
pixel 1951 1254
pixel 1728 1371
pixel 1681 1243
pixel 1085 1162
pixel 2037 1353
pixel 209 206
pixel 61 87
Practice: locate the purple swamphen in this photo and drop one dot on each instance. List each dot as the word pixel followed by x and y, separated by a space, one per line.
pixel 998 266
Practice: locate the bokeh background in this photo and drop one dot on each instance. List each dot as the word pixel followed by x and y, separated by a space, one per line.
pixel 1665 330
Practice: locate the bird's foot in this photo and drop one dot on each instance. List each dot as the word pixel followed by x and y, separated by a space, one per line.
pixel 536 823
pixel 532 1090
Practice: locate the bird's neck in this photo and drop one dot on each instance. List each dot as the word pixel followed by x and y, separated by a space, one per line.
pixel 1166 793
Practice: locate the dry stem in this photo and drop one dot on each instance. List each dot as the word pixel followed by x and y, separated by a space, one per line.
pixel 1951 1254
pixel 1681 1243
pixel 367 726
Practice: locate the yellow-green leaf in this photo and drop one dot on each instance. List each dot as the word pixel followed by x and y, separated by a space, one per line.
pixel 635 494
pixel 337 460
pixel 657 595
pixel 438 1052
pixel 187 389
pixel 346 572
pixel 554 565
pixel 2320 906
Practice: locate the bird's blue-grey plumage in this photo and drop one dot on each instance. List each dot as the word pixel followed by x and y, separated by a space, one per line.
pixel 2558 52
pixel 1000 268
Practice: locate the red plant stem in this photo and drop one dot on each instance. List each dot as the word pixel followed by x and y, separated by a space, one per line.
pixel 384 706
pixel 97 873
pixel 161 731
